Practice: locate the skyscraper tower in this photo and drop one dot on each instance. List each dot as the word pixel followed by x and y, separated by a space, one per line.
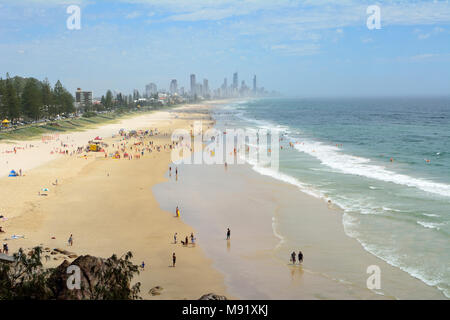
pixel 235 80
pixel 205 87
pixel 193 85
pixel 254 83
pixel 173 86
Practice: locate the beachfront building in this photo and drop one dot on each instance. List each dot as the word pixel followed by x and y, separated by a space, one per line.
pixel 193 85
pixel 83 100
pixel 205 91
pixel 173 86
pixel 150 90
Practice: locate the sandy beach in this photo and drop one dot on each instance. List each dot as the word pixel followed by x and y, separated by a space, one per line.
pixel 112 206
pixel 107 204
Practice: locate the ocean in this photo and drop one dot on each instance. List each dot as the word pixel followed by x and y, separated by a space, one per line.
pixel 384 161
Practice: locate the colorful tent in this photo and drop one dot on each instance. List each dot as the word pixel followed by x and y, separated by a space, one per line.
pixel 13 174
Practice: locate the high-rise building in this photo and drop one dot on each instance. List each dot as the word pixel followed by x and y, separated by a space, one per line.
pixel 136 95
pixel 199 89
pixel 235 80
pixel 83 99
pixel 254 83
pixel 205 87
pixel 193 85
pixel 150 89
pixel 173 86
pixel 182 91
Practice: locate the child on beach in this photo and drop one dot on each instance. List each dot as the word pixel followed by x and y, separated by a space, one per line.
pixel 175 238
pixel 70 241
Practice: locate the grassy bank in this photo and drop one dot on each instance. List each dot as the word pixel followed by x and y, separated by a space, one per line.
pixel 33 131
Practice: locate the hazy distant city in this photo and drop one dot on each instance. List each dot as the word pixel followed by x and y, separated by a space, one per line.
pixel 198 90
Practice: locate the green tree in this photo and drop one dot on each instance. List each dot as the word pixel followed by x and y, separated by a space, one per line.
pixel 11 100
pixel 109 100
pixel 32 99
pixel 47 98
pixel 3 110
pixel 62 99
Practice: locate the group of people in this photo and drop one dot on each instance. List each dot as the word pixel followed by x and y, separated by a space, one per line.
pixel 176 173
pixel 294 255
pixel 186 239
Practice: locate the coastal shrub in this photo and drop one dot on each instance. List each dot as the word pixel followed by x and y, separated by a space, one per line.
pixel 101 279
pixel 89 114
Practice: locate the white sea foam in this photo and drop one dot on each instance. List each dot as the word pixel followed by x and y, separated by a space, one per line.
pixel 431 215
pixel 276 234
pixel 430 225
pixel 333 157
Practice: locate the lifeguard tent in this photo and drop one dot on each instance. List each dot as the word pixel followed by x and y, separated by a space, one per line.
pixel 6 123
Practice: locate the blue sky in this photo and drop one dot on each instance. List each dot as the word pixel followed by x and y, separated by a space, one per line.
pixel 303 48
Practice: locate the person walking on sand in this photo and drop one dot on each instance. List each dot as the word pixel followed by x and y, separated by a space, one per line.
pixel 170 171
pixel 228 233
pixel 175 238
pixel 293 257
pixel 186 241
pixel 70 241
pixel 174 259
pixel 300 257
pixel 192 237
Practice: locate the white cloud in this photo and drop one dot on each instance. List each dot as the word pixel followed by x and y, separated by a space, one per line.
pixel 296 49
pixel 133 15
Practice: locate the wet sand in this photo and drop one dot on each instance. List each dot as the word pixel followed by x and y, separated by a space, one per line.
pixel 258 210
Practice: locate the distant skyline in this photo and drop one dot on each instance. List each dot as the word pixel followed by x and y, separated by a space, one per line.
pixel 299 48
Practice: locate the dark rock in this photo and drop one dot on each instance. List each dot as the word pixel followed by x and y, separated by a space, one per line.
pixel 88 265
pixel 212 296
pixel 155 291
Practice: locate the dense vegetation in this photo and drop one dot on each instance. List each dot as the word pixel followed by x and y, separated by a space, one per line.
pixel 28 100
pixel 101 279
pixel 31 99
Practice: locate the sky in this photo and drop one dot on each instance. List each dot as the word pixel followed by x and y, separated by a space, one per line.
pixel 299 48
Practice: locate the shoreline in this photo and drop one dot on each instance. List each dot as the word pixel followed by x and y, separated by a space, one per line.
pixel 253 266
pixel 109 208
pixel 335 265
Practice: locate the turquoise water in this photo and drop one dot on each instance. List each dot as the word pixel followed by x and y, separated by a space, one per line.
pixel 398 210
